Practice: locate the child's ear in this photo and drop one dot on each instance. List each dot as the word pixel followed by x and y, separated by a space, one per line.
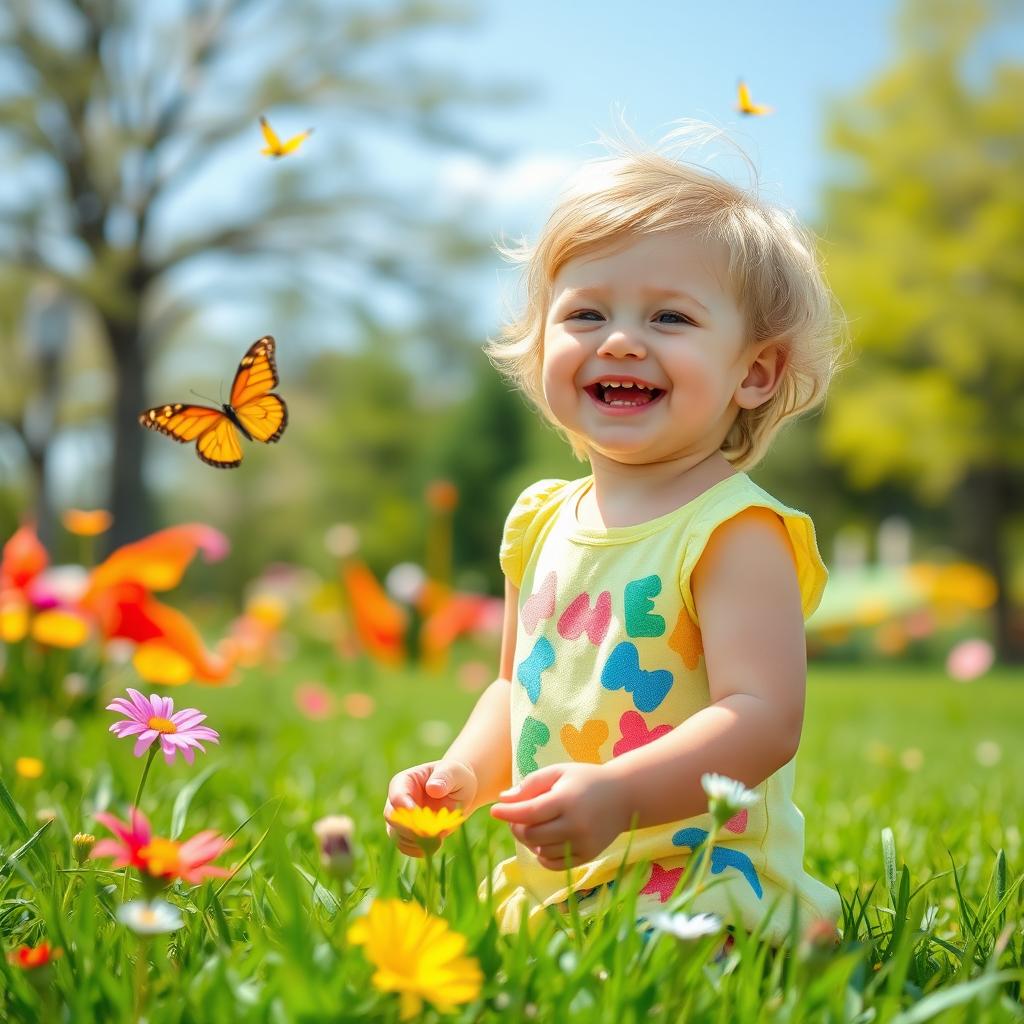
pixel 764 374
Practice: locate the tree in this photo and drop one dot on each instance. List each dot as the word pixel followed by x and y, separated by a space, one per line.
pixel 924 221
pixel 113 109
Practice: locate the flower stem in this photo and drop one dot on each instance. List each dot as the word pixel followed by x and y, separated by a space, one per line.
pixel 704 865
pixel 428 856
pixel 138 796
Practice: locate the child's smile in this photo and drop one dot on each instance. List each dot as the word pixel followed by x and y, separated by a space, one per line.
pixel 623 396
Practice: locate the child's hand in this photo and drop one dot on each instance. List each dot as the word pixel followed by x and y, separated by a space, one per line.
pixel 436 784
pixel 578 804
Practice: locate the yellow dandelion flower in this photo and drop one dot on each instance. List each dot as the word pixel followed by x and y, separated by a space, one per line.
pixel 13 621
pixel 425 822
pixel 418 956
pixel 28 767
pixel 56 628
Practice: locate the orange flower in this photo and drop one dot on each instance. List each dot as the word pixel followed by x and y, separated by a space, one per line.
pixel 379 622
pixel 29 957
pixel 84 523
pixel 158 663
pixel 57 628
pixel 358 705
pixel 442 495
pixel 157 562
pixel 127 611
pixel 22 560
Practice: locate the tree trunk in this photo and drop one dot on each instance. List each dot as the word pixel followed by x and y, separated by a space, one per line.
pixel 984 513
pixel 129 500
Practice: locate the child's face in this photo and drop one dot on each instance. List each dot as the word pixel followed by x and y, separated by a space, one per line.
pixel 656 311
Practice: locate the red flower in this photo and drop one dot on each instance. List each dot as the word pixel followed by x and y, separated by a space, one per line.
pixel 30 957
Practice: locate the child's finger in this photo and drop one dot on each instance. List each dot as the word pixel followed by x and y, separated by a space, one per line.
pixel 554 857
pixel 533 785
pixel 529 812
pixel 547 833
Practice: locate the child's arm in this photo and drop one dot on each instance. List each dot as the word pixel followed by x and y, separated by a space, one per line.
pixel 485 743
pixel 478 764
pixel 748 602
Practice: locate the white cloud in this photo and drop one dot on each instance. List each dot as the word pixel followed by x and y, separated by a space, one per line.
pixel 528 182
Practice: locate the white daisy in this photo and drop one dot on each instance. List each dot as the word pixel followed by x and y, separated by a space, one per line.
pixel 726 796
pixel 150 918
pixel 686 926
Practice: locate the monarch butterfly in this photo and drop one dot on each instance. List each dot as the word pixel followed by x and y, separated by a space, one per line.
pixel 258 414
pixel 745 105
pixel 275 147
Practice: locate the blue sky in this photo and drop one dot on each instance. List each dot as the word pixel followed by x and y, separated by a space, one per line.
pixel 659 61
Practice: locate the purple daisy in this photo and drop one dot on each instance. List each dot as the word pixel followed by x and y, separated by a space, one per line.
pixel 154 716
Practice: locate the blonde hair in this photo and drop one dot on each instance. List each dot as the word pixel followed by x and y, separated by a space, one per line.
pixel 773 272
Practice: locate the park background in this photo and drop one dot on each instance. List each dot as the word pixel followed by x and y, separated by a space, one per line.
pixel 145 243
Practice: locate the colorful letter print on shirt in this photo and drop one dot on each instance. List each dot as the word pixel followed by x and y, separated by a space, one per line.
pixel 541 658
pixel 722 857
pixel 622 671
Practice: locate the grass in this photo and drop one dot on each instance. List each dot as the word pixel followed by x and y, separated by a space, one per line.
pixel 911 785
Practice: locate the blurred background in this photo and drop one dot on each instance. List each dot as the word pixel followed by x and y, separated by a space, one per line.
pixel 145 242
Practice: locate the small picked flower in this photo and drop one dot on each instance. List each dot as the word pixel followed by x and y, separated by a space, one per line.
pixel 150 917
pixel 427 823
pixel 418 956
pixel 154 718
pixel 30 957
pixel 334 834
pixel 687 927
pixel 726 797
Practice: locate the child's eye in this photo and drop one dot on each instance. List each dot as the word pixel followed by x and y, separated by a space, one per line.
pixel 680 317
pixel 585 313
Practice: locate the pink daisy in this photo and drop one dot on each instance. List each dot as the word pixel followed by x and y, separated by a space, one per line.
pixel 162 859
pixel 154 716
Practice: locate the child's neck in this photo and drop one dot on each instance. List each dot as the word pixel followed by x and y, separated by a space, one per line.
pixel 625 495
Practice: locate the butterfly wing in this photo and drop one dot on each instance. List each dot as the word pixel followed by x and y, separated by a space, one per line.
pixel 215 436
pixel 743 102
pixel 181 422
pixel 263 418
pixel 256 374
pixel 219 446
pixel 271 138
pixel 295 141
pixel 263 415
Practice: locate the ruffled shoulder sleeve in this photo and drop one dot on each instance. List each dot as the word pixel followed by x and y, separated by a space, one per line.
pixel 810 568
pixel 532 511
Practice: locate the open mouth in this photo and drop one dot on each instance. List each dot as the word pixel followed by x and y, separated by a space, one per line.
pixel 623 394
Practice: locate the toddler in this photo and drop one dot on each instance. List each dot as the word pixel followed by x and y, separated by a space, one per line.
pixel 654 623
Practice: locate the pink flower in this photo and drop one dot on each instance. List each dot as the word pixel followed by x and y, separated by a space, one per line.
pixel 161 859
pixel 970 659
pixel 154 716
pixel 130 839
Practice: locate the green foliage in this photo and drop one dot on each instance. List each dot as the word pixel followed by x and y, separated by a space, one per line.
pixel 897 834
pixel 923 221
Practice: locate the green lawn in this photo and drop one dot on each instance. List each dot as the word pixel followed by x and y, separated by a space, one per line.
pixel 939 763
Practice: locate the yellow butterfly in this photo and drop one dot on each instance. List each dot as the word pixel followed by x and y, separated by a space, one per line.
pixel 275 147
pixel 745 105
pixel 253 410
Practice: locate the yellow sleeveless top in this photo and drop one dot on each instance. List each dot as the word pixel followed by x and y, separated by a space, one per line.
pixel 608 657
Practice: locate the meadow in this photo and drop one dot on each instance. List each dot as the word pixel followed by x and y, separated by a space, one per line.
pixel 911 785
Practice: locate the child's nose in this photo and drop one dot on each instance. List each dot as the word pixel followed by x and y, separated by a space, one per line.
pixel 623 342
